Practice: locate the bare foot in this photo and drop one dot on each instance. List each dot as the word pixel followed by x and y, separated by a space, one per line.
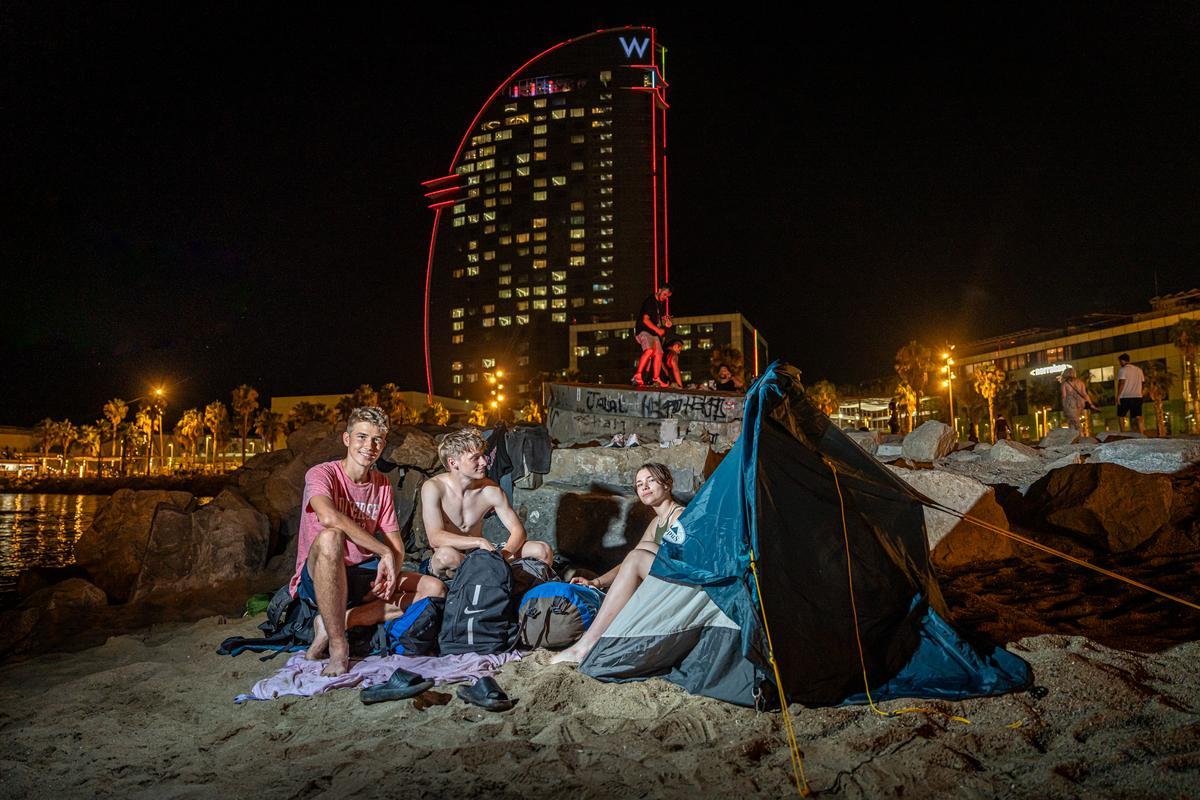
pixel 339 660
pixel 320 642
pixel 568 656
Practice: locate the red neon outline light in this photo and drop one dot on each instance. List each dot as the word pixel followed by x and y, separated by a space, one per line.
pixel 437 207
pixel 437 217
pixel 444 203
pixel 666 232
pixel 654 187
pixel 443 191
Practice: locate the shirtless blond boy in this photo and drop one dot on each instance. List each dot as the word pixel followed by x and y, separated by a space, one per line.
pixel 454 503
pixel 348 519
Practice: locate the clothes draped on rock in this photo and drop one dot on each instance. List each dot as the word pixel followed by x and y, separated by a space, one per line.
pixel 303 678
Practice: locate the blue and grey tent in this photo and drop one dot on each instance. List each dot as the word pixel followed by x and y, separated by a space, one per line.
pixel 775 499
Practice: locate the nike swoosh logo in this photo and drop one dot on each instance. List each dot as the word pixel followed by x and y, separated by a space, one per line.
pixel 474 610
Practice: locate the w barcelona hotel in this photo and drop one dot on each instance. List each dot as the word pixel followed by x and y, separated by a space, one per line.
pixel 552 212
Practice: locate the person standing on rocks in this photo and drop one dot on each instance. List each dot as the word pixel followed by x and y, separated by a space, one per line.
pixel 1075 399
pixel 650 328
pixel 346 506
pixel 1129 393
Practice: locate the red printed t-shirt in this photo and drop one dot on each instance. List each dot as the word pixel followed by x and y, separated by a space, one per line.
pixel 369 504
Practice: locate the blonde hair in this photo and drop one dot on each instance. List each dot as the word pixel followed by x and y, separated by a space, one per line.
pixel 455 443
pixel 372 415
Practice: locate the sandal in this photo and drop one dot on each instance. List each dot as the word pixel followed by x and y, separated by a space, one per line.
pixel 401 686
pixel 486 694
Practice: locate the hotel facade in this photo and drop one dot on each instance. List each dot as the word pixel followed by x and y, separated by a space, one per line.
pixel 552 213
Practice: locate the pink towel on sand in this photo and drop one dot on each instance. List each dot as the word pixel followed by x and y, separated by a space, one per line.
pixel 303 678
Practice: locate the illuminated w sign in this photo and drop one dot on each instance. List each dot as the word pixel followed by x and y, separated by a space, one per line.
pixel 634 44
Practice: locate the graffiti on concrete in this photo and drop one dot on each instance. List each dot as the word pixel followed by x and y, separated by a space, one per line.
pixel 659 406
pixel 604 402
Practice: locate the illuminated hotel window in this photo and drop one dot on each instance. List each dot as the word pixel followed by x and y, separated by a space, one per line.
pixel 577 219
pixel 605 77
pixel 472 377
pixel 459 222
pixel 605 245
pixel 522 238
pixel 488 363
pixel 503 134
pixel 472 180
pixel 469 155
pixel 578 138
pixel 489 228
pixel 601 349
pixel 504 294
pixel 490 203
pixel 605 163
pixel 522 158
pixel 558 317
pixel 623 333
pixel 606 273
pixel 472 219
pixel 490 309
pixel 559 180
pixel 472 193
pixel 540 263
pixel 456 313
pixel 539 305
pixel 704 344
pixel 457 379
pixel 456 338
pixel 465 168
pixel 504 174
pixel 539 155
pixel 523 305
pixel 602 301
pixel 602 287
pixel 458 273
pixel 539 250
pixel 489 322
pixel 558 275
pixel 523 172
pixel 581 350
pixel 522 319
pixel 457 365
pixel 522 251
pixel 577 205
pixel 516 119
pixel 482 138
pixel 523 361
pixel 505 240
pixel 606 217
pixel 537 222
pixel 487 163
pixel 595 110
pixel 490 150
pixel 606 150
pixel 506 186
pixel 539 144
pixel 578 302
pixel 539 236
pixel 506 201
pixel 601 334
pixel 539 195
pixel 605 176
pixel 683 330
pixel 539 291
pixel 558 113
pixel 504 280
pixel 473 258
pixel 606 259
pixel 576 112
pixel 605 204
pixel 456 326
pixel 604 137
pixel 558 302
pixel 473 244
pixel 522 291
pixel 706 327
pixel 606 190
pixel 472 271
pixel 578 261
pixel 558 288
pixel 606 231
pixel 489 255
pixel 505 322
pixel 491 124
pixel 576 166
pixel 538 183
pixel 578 247
pixel 687 344
pixel 460 208
pixel 510 108
pixel 578 233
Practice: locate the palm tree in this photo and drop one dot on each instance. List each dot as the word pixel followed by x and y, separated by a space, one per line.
pixel 269 426
pixel 989 382
pixel 1185 335
pixel 1042 395
pixel 914 362
pixel 391 400
pixel 89 439
pixel 531 411
pixel 825 395
pixel 435 414
pixel 216 419
pixel 1159 381
pixel 115 411
pixel 67 433
pixel 364 395
pixel 478 416
pixel 190 429
pixel 245 403
pixel 143 420
pixel 906 397
pixel 46 431
pixel 131 440
pixel 158 405
pixel 731 357
pixel 305 412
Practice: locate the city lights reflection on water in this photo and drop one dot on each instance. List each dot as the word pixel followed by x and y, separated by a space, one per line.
pixel 39 530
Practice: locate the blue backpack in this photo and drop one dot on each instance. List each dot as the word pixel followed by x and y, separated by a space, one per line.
pixel 555 614
pixel 415 632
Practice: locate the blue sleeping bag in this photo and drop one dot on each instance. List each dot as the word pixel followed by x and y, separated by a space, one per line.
pixel 555 614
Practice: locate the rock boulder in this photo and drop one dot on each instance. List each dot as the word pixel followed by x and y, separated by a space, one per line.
pixel 1012 452
pixel 1149 455
pixel 954 542
pixel 889 452
pixel 864 439
pixel 113 548
pixel 1059 437
pixel 411 447
pixel 929 442
pixel 1109 507
pixel 616 466
pixel 49 607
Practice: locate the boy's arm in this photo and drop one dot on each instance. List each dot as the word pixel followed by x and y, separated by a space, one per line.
pixel 330 517
pixel 435 528
pixel 649 323
pixel 516 531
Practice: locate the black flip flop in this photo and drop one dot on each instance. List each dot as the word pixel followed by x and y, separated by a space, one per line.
pixel 486 694
pixel 401 686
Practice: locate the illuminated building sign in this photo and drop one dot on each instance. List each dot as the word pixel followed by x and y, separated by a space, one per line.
pixel 633 45
pixel 540 86
pixel 1053 369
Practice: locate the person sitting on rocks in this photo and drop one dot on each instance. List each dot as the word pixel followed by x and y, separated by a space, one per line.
pixel 653 484
pixel 346 506
pixel 454 503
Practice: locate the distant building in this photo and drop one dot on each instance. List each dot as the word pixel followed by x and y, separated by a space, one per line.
pixel 553 211
pixel 1035 357
pixel 607 352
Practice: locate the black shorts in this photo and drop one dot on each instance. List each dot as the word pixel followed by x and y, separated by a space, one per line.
pixel 1129 405
pixel 359 579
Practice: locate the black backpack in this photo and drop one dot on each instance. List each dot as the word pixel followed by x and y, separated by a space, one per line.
pixel 528 573
pixel 481 612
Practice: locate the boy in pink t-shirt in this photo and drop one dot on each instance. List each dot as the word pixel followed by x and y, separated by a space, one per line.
pixel 346 505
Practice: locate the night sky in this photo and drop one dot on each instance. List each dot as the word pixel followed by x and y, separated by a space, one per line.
pixel 203 198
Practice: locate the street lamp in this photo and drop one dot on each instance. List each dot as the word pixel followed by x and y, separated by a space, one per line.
pixel 160 405
pixel 947 369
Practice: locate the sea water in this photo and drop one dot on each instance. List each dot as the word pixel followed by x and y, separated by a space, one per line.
pixel 39 530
